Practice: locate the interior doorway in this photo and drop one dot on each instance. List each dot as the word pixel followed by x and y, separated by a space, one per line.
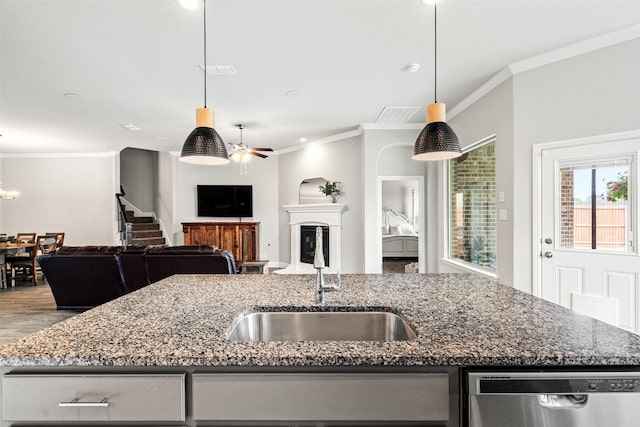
pixel 401 224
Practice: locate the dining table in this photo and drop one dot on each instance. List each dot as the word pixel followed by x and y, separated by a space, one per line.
pixel 11 248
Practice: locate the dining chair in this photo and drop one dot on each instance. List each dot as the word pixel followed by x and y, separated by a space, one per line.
pixel 28 266
pixel 26 238
pixel 59 238
pixel 21 238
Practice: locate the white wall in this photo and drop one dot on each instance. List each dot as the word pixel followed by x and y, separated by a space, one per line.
pixel 75 195
pixel 335 161
pixel 261 173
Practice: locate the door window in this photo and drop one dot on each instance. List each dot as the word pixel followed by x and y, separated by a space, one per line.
pixel 594 205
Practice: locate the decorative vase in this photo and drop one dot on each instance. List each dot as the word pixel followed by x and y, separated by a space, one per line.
pixel 334 199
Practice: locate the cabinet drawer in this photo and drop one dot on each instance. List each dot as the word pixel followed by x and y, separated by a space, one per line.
pixel 321 397
pixel 93 397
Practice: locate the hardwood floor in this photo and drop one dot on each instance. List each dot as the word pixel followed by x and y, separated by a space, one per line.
pixel 25 309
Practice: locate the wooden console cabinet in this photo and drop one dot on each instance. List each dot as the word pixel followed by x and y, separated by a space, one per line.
pixel 241 238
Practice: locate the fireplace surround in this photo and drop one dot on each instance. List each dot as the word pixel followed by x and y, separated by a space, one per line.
pixel 325 215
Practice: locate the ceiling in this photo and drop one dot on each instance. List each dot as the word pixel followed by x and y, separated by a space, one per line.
pixel 305 68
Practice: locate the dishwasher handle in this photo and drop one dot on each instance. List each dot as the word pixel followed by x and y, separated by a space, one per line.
pixel 563 401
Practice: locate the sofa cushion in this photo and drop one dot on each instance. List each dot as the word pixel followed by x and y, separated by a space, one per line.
pixel 88 250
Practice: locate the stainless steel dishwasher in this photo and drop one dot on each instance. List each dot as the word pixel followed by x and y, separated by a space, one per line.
pixel 553 399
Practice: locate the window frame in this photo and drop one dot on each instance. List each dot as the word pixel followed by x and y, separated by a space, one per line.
pixel 447 258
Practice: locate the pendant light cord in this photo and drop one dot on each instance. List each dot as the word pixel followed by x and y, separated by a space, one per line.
pixel 204 13
pixel 435 51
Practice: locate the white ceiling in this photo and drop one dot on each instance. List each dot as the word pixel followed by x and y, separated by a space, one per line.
pixel 137 61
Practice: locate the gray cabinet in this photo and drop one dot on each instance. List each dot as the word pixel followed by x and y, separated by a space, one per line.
pixel 52 398
pixel 197 396
pixel 321 397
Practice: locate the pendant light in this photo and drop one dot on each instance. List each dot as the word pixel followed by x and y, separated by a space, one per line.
pixel 204 146
pixel 437 141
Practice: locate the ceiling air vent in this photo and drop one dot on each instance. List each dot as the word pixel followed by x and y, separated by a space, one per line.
pixel 396 114
pixel 220 70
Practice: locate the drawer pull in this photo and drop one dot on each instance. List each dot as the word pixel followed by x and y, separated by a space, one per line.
pixel 75 403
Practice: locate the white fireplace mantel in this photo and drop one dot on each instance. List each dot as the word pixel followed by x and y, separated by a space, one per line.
pixel 324 214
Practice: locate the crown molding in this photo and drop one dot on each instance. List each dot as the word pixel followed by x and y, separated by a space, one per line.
pixel 619 36
pixel 331 138
pixel 615 37
pixel 477 94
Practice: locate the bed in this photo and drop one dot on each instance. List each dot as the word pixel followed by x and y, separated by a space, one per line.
pixel 399 238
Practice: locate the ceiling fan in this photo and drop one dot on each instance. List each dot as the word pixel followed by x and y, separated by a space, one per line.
pixel 241 151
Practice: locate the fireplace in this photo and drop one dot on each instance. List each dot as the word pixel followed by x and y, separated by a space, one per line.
pixel 309 216
pixel 308 244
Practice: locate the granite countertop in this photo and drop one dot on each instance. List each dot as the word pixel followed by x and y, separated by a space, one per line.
pixel 460 320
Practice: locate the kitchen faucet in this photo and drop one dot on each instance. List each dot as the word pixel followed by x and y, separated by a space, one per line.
pixel 318 264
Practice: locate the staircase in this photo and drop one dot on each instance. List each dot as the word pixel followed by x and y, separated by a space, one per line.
pixel 144 230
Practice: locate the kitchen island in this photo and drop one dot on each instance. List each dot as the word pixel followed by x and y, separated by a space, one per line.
pixel 178 326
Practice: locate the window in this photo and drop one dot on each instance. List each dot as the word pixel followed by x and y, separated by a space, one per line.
pixel 594 205
pixel 472 211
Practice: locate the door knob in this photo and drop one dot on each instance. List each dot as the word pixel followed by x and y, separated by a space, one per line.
pixel 548 254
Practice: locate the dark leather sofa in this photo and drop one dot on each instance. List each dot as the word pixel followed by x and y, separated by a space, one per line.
pixel 83 277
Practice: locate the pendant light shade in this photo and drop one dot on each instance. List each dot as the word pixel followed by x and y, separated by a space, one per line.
pixel 437 141
pixel 204 146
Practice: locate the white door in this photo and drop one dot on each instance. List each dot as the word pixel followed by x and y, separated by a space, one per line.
pixel 588 251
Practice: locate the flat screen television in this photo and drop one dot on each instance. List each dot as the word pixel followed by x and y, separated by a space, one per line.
pixel 225 200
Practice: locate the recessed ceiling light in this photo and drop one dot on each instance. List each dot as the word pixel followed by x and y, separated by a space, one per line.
pixel 71 95
pixel 189 4
pixel 130 126
pixel 303 139
pixel 292 93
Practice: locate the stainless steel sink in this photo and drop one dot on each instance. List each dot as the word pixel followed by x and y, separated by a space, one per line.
pixel 321 326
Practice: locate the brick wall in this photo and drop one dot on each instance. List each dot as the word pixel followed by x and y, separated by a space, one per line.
pixel 567 205
pixel 473 206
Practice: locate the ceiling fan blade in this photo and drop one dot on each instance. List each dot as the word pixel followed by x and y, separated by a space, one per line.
pixel 258 154
pixel 262 149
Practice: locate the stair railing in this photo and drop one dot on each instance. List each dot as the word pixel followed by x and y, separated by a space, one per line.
pixel 124 226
